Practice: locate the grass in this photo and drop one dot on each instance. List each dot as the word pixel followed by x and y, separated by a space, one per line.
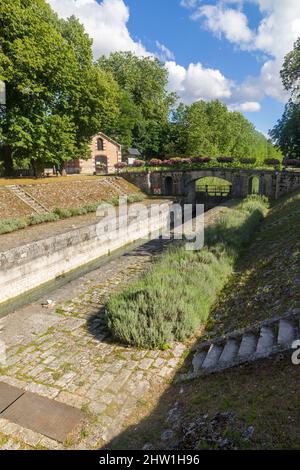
pixel 11 225
pixel 263 394
pixel 212 181
pixel 175 297
pixel 265 280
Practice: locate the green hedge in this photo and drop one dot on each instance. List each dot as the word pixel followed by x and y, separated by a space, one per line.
pixel 175 297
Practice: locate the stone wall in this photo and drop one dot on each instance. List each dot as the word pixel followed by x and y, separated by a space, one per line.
pixel 272 184
pixel 29 266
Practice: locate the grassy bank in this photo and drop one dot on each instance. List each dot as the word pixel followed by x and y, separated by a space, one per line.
pixel 262 395
pixel 267 276
pixel 13 224
pixel 175 297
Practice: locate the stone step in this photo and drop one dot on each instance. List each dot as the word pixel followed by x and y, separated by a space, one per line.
pixel 212 356
pixel 198 360
pixel 248 345
pixel 229 352
pixel 266 340
pixel 28 199
pixel 287 332
pixel 254 344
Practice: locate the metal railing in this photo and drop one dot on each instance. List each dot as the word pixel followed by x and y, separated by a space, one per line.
pixel 211 190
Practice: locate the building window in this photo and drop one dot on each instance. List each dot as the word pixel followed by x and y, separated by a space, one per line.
pixel 100 144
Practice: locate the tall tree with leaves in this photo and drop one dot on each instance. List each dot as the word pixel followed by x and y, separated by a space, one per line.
pixel 55 98
pixel 143 81
pixel 286 133
pixel 211 129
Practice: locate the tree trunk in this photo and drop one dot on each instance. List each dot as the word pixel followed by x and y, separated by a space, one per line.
pixel 38 168
pixel 8 161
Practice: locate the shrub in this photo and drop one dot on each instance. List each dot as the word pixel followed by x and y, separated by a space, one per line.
pixel 177 161
pixel 120 165
pixel 248 161
pixel 42 218
pixel 167 163
pixel 201 160
pixel 138 163
pixel 92 207
pixel 292 162
pixel 78 211
pixel 225 159
pixel 63 213
pixel 272 161
pixel 10 225
pixel 135 198
pixel 171 301
pixel 155 162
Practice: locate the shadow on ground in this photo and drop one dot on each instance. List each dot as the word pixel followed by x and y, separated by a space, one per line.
pixel 254 406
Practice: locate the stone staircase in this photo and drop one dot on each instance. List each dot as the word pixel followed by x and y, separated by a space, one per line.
pixel 36 206
pixel 265 339
pixel 112 181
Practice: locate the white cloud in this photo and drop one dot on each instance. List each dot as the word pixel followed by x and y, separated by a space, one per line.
pixel 275 35
pixel 106 24
pixel 165 53
pixel 228 21
pixel 247 107
pixel 280 26
pixel 198 83
pixel 189 3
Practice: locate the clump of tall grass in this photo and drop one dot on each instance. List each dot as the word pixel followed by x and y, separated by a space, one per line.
pixel 10 225
pixel 175 297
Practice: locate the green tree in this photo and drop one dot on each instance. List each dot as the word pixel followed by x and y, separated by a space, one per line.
pixel 143 81
pixel 286 133
pixel 56 98
pixel 211 129
pixel 175 133
pixel 290 72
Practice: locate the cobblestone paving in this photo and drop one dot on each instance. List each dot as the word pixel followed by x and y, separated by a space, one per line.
pixel 65 352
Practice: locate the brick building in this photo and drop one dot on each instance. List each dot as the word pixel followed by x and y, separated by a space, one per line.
pixel 105 153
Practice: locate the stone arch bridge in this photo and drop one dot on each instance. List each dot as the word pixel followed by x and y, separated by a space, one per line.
pixel 182 183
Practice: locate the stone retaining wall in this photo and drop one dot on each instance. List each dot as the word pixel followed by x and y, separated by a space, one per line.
pixel 29 266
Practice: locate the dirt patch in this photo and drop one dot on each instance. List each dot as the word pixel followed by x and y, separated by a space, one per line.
pixel 77 193
pixel 11 206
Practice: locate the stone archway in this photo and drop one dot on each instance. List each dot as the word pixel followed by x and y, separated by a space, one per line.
pixel 213 186
pixel 254 185
pixel 168 186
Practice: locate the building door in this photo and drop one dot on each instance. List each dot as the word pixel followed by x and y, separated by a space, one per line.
pixel 168 186
pixel 101 165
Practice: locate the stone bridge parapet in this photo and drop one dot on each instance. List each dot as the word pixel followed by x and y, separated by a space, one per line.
pixel 182 183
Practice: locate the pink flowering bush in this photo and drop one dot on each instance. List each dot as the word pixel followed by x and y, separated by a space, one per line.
pixel 178 161
pixel 155 162
pixel 138 163
pixel 120 165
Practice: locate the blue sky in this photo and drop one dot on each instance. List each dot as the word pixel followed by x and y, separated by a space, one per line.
pixel 230 50
pixel 192 43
